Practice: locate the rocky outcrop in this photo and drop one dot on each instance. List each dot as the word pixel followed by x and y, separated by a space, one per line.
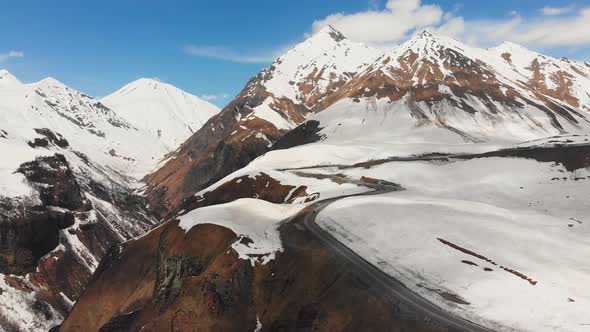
pixel 54 180
pixel 194 281
pixel 306 133
pixel 48 137
pixel 51 242
pixel 30 232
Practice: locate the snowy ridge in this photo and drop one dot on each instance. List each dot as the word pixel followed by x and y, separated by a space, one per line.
pixel 561 77
pixel 308 73
pixel 473 92
pixel 326 57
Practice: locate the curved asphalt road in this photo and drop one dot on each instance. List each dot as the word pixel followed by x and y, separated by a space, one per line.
pixel 391 287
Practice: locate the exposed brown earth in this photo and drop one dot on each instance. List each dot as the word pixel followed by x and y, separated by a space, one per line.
pixel 193 281
pixel 562 79
pixel 572 157
pixel 260 186
pixel 469 79
pixel 227 142
pixel 220 147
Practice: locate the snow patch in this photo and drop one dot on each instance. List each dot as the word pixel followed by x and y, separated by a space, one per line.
pixel 256 220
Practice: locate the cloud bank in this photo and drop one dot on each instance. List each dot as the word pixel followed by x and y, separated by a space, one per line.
pixel 389 25
pixel 551 27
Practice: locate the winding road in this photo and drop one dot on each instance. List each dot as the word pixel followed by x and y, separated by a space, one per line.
pixel 388 286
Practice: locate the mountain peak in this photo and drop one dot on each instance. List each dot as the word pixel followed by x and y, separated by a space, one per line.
pixel 427 33
pixel 430 37
pixel 150 86
pixel 167 112
pixel 510 46
pixel 147 80
pixel 330 31
pixel 7 79
pixel 425 40
pixel 50 81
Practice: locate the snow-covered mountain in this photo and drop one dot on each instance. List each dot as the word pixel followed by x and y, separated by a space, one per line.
pixel 460 172
pixel 434 83
pixel 421 161
pixel 562 79
pixel 431 88
pixel 312 70
pixel 69 171
pixel 161 109
pixel 276 100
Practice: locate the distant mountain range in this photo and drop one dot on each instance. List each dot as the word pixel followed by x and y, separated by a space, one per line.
pixel 68 178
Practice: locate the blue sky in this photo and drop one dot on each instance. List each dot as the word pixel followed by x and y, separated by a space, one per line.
pixel 213 48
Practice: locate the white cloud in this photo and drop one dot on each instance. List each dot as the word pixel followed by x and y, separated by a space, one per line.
pixel 11 54
pixel 570 30
pixel 387 26
pixel 401 18
pixel 552 11
pixel 224 53
pixel 212 97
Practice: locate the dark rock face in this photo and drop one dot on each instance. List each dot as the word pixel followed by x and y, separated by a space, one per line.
pixel 27 232
pixel 306 133
pixel 27 239
pixel 49 137
pixel 120 323
pixel 571 157
pixel 170 274
pixel 54 180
